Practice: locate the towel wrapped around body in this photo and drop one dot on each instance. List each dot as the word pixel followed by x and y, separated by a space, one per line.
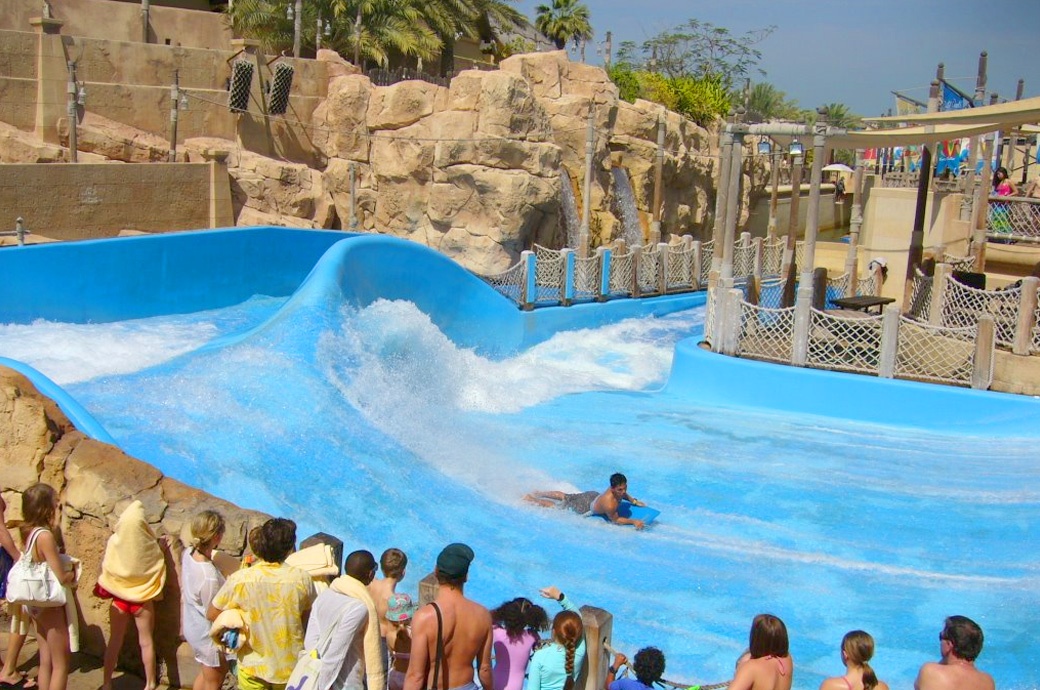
pixel 134 566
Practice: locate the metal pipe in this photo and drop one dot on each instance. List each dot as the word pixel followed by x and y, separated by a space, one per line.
pixel 175 97
pixel 655 224
pixel 72 114
pixel 586 202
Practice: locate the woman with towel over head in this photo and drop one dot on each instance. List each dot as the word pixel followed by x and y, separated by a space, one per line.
pixel 200 581
pixel 133 574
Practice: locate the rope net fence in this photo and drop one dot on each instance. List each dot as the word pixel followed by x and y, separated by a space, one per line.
pixel 844 343
pixel 934 353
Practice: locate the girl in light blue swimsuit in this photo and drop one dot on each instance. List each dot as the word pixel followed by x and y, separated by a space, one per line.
pixel 556 664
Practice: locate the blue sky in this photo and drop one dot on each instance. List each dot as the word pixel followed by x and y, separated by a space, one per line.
pixel 853 51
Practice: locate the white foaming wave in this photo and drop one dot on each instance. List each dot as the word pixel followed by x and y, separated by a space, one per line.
pixel 402 350
pixel 72 353
pixel 412 383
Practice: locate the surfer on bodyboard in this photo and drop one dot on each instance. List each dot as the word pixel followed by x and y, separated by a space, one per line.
pixel 606 505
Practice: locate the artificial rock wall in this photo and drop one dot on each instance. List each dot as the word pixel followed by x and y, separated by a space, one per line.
pixel 96 482
pixel 473 169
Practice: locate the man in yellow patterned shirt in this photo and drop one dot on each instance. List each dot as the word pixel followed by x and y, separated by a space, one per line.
pixel 274 598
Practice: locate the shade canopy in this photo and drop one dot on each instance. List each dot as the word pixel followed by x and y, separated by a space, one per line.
pixel 1000 115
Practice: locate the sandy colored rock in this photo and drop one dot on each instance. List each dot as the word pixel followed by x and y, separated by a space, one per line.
pixel 17 146
pixel 96 482
pixel 116 141
pixel 400 105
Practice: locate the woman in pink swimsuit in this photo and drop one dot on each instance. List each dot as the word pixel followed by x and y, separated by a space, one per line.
pixel 857 648
pixel 769 665
pixel 516 625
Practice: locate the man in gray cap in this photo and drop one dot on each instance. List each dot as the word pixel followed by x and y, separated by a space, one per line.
pixel 452 633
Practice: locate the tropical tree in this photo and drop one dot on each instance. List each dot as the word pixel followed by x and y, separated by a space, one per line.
pixel 701 49
pixel 766 102
pixel 564 20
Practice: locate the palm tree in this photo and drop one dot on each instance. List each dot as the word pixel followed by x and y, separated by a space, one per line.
pixel 564 20
pixel 766 102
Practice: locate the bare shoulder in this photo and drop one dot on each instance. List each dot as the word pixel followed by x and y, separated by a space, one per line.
pixel 836 683
pixel 986 681
pixel 928 677
pixel 478 612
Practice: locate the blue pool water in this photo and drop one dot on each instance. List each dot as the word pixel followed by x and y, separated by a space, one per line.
pixel 367 421
pixel 370 424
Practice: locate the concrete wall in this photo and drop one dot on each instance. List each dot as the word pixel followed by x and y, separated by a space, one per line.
pixel 121 21
pixel 74 201
pixel 888 221
pixel 832 215
pixel 130 83
pixel 18 78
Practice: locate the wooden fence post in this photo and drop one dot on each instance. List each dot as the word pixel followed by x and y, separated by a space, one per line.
pixel 939 284
pixel 985 347
pixel 1026 317
pixel 889 342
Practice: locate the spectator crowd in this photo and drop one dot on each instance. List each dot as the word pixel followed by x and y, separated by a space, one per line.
pixel 282 621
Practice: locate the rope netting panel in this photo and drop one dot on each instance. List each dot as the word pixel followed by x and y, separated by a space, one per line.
pixel 934 353
pixel 963 305
pixel 1036 328
pixel 743 259
pixel 838 285
pixel 509 282
pixel 549 274
pixel 867 286
pixel 649 264
pixel 799 254
pixel 844 343
pixel 680 267
pixel 770 293
pixel 772 256
pixel 765 333
pixel 621 274
pixel 707 251
pixel 1017 218
pixel 921 296
pixel 959 263
pixel 587 277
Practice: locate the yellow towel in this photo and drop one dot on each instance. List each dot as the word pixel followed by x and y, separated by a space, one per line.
pixel 317 560
pixel 375 674
pixel 231 619
pixel 133 568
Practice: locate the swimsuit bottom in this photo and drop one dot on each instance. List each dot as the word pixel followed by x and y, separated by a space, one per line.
pixel 128 607
pixel 579 503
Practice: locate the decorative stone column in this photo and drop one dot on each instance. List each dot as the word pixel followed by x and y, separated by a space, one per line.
pixel 221 212
pixel 51 75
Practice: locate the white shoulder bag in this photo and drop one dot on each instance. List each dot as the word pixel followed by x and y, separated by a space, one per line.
pixel 308 666
pixel 34 584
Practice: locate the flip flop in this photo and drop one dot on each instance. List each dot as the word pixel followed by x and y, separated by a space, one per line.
pixel 20 685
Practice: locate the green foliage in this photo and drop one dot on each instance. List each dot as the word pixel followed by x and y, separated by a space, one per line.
pixel 562 21
pixel 767 103
pixel 701 100
pixel 658 88
pixel 627 81
pixel 375 30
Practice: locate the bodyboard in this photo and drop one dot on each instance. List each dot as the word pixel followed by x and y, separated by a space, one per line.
pixel 627 510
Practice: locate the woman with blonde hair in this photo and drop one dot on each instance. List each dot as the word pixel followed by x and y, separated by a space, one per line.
pixel 857 648
pixel 200 581
pixel 555 665
pixel 40 514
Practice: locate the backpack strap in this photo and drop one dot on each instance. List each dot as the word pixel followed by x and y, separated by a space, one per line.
pixel 440 645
